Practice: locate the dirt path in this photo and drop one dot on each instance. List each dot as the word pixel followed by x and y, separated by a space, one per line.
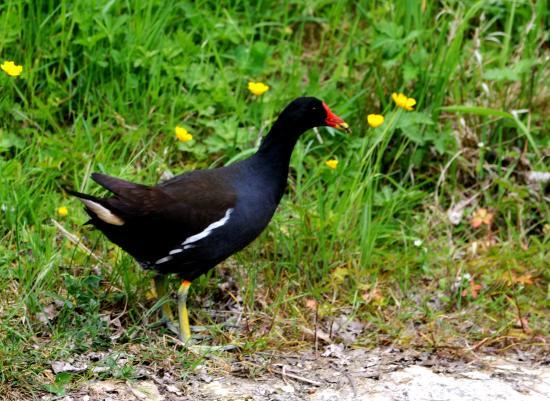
pixel 336 374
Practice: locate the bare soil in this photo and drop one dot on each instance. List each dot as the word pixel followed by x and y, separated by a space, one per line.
pixel 336 373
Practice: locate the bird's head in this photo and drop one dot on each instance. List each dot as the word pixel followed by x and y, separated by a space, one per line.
pixel 310 112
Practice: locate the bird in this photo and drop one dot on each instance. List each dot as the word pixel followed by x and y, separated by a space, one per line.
pixel 188 224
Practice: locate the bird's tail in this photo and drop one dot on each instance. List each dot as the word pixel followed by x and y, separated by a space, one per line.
pixel 97 208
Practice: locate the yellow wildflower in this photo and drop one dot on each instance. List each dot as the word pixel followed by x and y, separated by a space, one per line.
pixel 12 69
pixel 257 88
pixel 375 120
pixel 403 101
pixel 183 135
pixel 62 211
pixel 332 163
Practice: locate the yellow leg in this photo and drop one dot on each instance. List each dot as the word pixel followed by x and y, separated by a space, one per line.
pixel 185 330
pixel 161 286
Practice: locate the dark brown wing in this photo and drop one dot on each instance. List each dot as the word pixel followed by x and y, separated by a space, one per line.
pixel 192 200
pixel 157 219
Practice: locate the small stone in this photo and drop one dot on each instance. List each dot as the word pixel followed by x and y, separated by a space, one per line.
pixel 173 389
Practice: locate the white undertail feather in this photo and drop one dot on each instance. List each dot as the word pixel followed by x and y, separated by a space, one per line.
pixel 103 213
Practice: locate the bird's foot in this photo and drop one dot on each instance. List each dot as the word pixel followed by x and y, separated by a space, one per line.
pixel 168 323
pixel 173 327
pixel 198 342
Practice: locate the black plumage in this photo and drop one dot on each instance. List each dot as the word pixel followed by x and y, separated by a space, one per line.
pixel 190 223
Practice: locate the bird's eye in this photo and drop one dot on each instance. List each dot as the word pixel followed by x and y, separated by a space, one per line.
pixel 314 108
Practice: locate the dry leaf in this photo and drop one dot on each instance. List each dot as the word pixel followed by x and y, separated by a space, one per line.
pixel 481 216
pixel 311 304
pixel 524 279
pixel 49 312
pixel 538 176
pixel 374 295
pixel 145 390
pixel 473 289
pixel 455 213
pixel 60 366
pixel 524 325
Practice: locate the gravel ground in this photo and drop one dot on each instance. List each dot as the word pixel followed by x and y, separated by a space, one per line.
pixel 337 373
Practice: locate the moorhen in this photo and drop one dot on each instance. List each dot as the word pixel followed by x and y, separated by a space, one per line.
pixel 191 222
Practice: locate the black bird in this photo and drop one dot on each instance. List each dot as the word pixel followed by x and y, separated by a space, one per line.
pixel 192 222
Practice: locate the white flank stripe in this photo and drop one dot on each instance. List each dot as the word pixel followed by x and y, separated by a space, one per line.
pixel 163 260
pixel 188 243
pixel 103 213
pixel 206 232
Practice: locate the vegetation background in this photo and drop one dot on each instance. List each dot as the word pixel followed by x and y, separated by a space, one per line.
pixel 432 232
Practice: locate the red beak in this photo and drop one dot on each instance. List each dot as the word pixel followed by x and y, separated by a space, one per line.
pixel 334 121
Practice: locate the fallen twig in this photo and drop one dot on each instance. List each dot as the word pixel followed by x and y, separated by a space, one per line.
pixel 75 240
pixel 285 373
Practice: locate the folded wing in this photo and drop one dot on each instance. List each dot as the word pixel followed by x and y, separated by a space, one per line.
pixel 149 222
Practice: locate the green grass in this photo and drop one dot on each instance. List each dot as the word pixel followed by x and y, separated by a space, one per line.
pixel 104 85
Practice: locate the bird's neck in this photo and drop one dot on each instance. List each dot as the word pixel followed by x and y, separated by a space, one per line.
pixel 273 157
pixel 277 146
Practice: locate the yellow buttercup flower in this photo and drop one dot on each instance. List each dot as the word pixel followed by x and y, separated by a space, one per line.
pixel 403 101
pixel 12 69
pixel 257 88
pixel 375 120
pixel 332 163
pixel 62 211
pixel 183 135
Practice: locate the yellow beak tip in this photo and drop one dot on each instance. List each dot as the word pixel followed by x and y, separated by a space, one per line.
pixel 344 127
